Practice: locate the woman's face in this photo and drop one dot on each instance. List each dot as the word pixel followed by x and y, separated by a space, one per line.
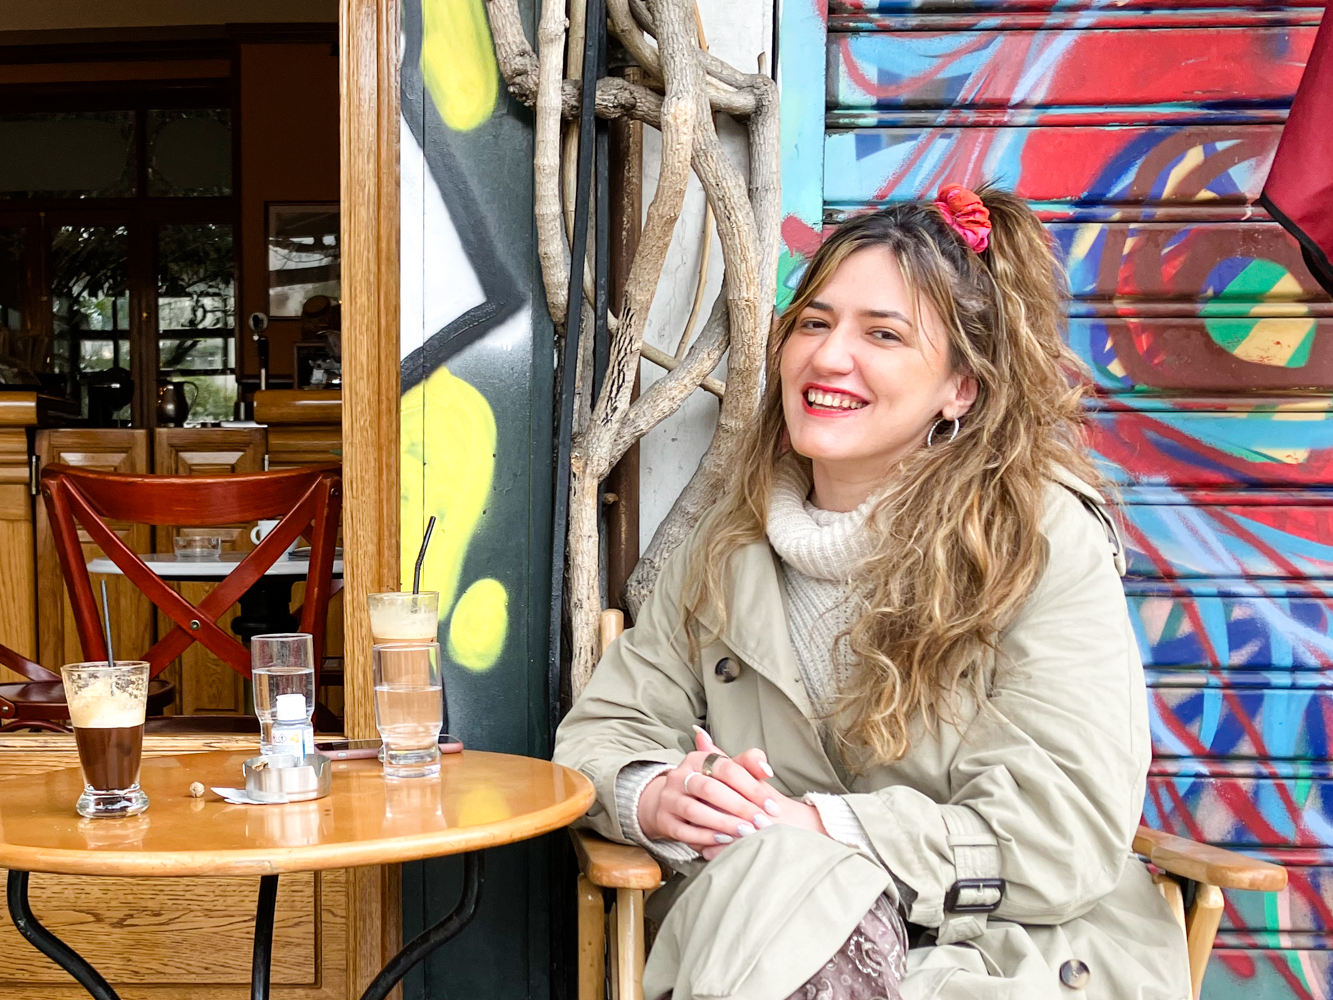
pixel 865 373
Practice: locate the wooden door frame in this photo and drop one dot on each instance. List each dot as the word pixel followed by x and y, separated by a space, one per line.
pixel 369 114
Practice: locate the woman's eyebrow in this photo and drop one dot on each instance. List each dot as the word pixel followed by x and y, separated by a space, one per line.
pixel 887 314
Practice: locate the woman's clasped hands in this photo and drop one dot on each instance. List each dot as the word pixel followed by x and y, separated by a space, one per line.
pixel 710 811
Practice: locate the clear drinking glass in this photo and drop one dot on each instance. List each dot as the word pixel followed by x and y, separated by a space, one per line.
pixel 280 663
pixel 107 706
pixel 404 617
pixel 409 707
pixel 197 548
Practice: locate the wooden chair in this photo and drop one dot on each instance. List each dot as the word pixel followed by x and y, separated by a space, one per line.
pixel 306 499
pixel 40 703
pixel 631 871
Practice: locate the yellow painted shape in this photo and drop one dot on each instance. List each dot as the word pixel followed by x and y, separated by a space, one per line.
pixel 479 625
pixel 458 61
pixel 1083 240
pixel 448 456
pixel 1192 158
pixel 1273 341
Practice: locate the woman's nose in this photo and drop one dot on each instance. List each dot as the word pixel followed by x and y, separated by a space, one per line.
pixel 834 354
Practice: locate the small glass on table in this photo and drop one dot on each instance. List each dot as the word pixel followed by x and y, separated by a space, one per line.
pixel 107 706
pixel 409 707
pixel 280 663
pixel 197 548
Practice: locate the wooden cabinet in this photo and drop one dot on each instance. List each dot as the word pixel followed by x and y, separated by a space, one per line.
pixel 132 615
pixel 205 684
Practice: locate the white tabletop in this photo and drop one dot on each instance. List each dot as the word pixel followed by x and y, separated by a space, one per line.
pixel 170 568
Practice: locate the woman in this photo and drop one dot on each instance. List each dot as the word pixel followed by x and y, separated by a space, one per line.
pixel 904 622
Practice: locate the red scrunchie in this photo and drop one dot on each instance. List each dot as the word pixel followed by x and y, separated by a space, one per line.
pixel 963 210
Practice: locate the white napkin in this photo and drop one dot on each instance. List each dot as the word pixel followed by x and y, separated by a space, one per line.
pixel 240 797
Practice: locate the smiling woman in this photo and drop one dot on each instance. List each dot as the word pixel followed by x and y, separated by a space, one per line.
pixel 903 634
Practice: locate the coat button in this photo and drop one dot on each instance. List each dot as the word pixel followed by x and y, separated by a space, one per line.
pixel 1075 974
pixel 727 670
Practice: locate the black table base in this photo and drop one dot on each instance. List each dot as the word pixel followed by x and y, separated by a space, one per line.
pixel 413 952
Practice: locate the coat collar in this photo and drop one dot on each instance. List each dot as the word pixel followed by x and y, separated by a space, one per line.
pixel 757 628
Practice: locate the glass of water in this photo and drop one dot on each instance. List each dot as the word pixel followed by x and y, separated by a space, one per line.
pixel 409 707
pixel 280 663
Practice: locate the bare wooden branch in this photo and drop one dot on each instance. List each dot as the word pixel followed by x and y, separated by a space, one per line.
pixel 665 396
pixel 662 359
pixel 552 248
pixel 694 84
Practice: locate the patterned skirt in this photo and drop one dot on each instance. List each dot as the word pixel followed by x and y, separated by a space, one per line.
pixel 869 966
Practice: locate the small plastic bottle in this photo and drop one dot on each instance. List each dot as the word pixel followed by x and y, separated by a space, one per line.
pixel 292 732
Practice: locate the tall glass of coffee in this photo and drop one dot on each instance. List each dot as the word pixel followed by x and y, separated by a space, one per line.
pixel 398 617
pixel 107 705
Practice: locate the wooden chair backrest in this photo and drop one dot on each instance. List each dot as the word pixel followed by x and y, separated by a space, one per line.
pixel 303 498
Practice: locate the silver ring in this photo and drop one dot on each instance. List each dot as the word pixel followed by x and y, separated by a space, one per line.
pixel 709 761
pixel 687 781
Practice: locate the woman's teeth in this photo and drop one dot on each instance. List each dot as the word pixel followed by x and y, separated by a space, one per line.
pixel 835 401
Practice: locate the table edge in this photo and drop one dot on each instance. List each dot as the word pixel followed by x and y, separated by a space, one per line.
pixel 289 860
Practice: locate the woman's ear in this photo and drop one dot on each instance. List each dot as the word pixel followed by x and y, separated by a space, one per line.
pixel 964 395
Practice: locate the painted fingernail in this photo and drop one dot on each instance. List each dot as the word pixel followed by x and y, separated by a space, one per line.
pixel 704 733
pixel 763 765
pixel 762 821
pixel 744 829
pixel 771 807
pixel 722 838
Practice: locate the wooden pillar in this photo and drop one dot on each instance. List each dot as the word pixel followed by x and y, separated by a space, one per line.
pixel 622 513
pixel 369 126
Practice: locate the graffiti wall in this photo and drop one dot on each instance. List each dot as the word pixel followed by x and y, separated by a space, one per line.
pixel 1142 133
pixel 476 378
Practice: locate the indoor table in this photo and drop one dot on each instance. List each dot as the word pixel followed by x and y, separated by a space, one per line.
pixel 478 800
pixel 263 608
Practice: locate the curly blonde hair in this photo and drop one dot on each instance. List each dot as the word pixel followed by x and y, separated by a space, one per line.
pixel 957 542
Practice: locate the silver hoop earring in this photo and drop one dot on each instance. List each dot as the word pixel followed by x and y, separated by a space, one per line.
pixel 930 438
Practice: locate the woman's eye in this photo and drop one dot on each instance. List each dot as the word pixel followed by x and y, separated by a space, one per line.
pixel 813 323
pixel 888 335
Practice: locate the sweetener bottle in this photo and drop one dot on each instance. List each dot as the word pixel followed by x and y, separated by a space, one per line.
pixel 292 732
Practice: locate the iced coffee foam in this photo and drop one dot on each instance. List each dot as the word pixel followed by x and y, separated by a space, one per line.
pixel 100 706
pixel 399 624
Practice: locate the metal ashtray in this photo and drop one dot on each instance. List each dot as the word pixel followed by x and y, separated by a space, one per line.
pixel 288 778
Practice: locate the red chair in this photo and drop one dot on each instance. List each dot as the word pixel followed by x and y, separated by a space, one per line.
pixel 40 703
pixel 308 500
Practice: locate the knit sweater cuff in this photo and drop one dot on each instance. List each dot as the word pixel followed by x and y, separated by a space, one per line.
pixel 630 783
pixel 841 822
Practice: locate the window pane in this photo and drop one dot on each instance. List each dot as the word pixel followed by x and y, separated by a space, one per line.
pixel 21 356
pixel 303 258
pixel 77 154
pixel 196 307
pixel 216 399
pixel 88 296
pixel 189 153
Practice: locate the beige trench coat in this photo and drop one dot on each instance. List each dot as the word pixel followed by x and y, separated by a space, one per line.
pixel 1055 774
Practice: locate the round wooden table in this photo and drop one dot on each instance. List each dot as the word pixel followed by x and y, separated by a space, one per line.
pixel 479 800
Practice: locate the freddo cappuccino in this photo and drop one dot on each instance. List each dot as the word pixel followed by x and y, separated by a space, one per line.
pixel 404 617
pixel 107 706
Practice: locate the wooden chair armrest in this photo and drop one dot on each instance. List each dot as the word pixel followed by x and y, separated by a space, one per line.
pixel 1209 865
pixel 614 866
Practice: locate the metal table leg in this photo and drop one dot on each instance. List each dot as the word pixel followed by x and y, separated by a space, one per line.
pixel 435 935
pixel 50 945
pixel 262 962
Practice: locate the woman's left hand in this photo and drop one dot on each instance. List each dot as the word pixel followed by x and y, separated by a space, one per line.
pixel 790 811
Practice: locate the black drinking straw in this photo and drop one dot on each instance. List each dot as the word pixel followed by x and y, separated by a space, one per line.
pixel 421 556
pixel 106 624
